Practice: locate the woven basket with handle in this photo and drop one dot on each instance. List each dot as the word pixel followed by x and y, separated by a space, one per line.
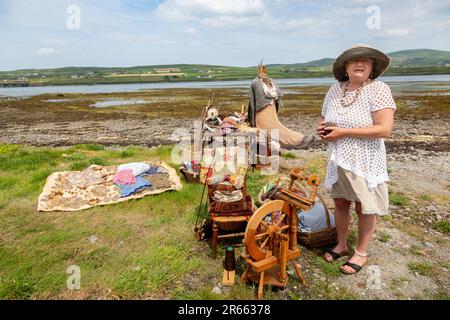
pixel 321 237
pixel 190 176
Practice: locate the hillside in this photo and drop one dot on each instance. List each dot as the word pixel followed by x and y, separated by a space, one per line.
pixel 405 62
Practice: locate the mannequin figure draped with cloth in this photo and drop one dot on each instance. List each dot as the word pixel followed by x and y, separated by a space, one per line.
pixel 263 108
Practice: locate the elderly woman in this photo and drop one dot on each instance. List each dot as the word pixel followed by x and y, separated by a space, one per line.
pixel 357 114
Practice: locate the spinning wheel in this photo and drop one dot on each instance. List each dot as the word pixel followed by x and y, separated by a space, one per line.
pixel 271 235
pixel 271 241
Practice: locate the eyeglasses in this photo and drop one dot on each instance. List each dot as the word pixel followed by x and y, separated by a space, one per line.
pixel 362 60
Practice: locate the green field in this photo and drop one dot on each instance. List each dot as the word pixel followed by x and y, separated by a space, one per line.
pixel 144 248
pixel 407 62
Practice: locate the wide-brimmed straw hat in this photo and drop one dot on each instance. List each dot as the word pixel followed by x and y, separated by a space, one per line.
pixel 380 65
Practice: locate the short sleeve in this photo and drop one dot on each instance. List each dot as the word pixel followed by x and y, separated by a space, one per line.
pixel 325 103
pixel 382 98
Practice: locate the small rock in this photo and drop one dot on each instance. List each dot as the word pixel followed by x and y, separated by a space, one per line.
pixel 427 244
pixel 93 239
pixel 216 290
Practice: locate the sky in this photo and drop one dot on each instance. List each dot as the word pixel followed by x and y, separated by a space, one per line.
pixel 122 33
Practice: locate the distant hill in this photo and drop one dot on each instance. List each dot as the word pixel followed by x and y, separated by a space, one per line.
pixel 420 57
pixel 415 57
pixel 405 62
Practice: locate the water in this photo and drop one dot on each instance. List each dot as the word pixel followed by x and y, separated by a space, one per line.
pixel 397 82
pixel 116 102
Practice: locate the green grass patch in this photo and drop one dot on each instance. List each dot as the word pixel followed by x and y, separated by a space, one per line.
pixel 89 146
pixel 442 295
pixel 8 148
pixel 383 236
pixel 442 226
pixel 255 181
pixel 289 155
pixel 126 153
pixel 422 268
pixel 8 182
pixel 416 250
pixel 398 199
pixel 81 165
pixel 27 160
pixel 425 197
pixel 40 175
pixel 446 264
pixel 76 156
pixel 98 161
pixel 329 269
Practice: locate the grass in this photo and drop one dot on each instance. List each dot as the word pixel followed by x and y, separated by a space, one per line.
pixel 446 264
pixel 396 283
pixel 129 234
pixel 425 197
pixel 422 268
pixel 289 155
pixel 442 226
pixel 397 199
pixel 383 236
pixel 145 248
pixel 416 250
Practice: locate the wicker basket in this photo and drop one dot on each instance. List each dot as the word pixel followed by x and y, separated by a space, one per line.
pixel 321 237
pixel 190 176
pixel 233 226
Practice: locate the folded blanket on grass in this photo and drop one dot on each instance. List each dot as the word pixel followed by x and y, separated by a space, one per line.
pixel 94 186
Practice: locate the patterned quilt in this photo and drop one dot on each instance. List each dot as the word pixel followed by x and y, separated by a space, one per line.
pixel 78 190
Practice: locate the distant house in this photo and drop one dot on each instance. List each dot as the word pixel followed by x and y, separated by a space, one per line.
pixel 168 70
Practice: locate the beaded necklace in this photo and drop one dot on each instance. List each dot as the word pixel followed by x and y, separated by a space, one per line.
pixel 346 105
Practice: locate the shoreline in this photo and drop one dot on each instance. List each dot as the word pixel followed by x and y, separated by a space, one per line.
pixel 208 83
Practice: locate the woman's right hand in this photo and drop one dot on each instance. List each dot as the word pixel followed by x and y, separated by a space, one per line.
pixel 320 129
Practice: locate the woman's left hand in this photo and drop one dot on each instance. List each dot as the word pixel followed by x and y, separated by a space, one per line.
pixel 336 133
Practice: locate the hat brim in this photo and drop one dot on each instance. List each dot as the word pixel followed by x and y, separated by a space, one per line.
pixel 381 65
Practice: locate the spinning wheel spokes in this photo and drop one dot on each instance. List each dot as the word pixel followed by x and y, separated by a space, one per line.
pixel 280 219
pixel 265 227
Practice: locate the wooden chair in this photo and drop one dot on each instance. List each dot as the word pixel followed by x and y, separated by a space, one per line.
pixel 228 219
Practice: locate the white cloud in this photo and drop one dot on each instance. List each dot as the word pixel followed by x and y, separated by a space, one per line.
pixel 181 10
pixel 46 51
pixel 191 31
pixel 54 41
pixel 394 33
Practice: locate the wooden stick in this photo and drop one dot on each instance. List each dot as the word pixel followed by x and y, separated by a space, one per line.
pixel 261 286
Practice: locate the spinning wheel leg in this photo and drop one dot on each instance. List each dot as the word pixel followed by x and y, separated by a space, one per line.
pixel 298 272
pixel 244 275
pixel 261 286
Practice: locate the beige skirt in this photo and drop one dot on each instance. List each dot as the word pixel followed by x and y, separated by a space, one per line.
pixel 267 118
pixel 354 188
